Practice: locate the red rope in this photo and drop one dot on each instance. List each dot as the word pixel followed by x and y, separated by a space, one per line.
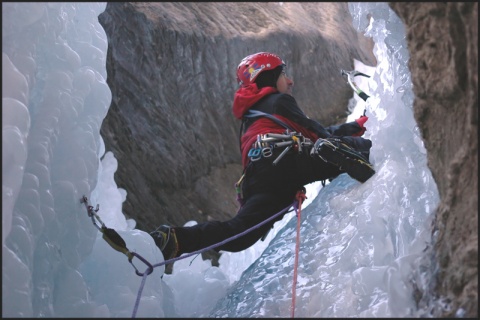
pixel 300 198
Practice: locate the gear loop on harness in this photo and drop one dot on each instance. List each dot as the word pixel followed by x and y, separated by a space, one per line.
pixel 267 143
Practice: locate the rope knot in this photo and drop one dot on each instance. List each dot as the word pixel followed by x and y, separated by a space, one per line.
pixel 301 196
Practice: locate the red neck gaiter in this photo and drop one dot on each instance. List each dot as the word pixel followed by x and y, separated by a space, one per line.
pixel 247 96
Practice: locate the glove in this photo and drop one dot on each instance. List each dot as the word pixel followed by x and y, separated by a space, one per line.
pixel 359 144
pixel 361 122
pixel 349 154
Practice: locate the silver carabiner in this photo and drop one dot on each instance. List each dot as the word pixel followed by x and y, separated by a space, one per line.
pixel 267 152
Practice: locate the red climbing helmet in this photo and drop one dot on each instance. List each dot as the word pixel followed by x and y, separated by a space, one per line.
pixel 251 66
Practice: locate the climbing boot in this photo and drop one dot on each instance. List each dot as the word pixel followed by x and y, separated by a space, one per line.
pixel 165 239
pixel 338 153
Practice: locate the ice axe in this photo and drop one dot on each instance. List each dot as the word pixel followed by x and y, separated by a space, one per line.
pixel 351 81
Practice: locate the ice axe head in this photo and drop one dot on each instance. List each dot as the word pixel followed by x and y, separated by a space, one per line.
pixel 350 78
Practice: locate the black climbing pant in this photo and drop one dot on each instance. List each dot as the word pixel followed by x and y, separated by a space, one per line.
pixel 267 189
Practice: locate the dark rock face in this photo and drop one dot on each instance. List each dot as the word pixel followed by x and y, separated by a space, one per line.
pixel 171 68
pixel 443 44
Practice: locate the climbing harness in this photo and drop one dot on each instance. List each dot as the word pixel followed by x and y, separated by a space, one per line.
pixel 257 113
pixel 267 143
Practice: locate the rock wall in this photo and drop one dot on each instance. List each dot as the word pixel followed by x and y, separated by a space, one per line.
pixel 171 71
pixel 171 68
pixel 443 44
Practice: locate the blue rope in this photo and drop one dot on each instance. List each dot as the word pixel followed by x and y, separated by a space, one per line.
pixel 149 270
pixel 139 294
